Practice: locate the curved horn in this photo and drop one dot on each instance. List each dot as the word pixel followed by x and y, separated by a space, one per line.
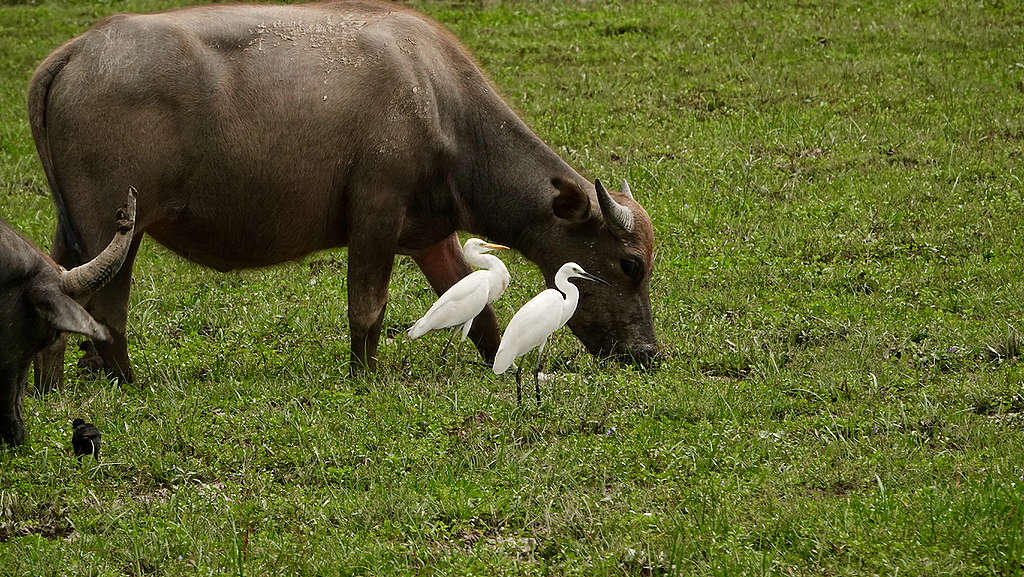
pixel 94 274
pixel 614 213
pixel 625 189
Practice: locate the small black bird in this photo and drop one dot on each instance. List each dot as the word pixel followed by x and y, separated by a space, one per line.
pixel 86 439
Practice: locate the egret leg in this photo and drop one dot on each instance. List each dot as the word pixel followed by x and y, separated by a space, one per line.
pixel 458 354
pixel 451 335
pixel 458 351
pixel 536 373
pixel 465 333
pixel 519 385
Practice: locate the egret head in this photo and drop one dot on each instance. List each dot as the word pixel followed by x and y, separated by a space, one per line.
pixel 476 246
pixel 572 270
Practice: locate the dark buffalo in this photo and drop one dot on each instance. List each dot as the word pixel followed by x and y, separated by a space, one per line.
pixel 258 134
pixel 37 305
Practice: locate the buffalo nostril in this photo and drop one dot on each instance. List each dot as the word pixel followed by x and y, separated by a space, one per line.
pixel 644 355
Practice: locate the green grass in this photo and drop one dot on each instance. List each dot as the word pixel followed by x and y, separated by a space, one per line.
pixel 836 192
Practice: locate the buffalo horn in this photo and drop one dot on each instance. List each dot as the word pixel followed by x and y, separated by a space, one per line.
pixel 94 274
pixel 625 189
pixel 614 213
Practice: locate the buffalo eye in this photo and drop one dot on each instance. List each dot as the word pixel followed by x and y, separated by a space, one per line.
pixel 632 267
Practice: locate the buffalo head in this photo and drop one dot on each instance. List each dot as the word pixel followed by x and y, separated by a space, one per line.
pixel 611 236
pixel 37 304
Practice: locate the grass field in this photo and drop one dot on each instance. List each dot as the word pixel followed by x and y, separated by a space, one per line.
pixel 837 197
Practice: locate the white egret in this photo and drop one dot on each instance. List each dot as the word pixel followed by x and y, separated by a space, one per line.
pixel 461 303
pixel 531 326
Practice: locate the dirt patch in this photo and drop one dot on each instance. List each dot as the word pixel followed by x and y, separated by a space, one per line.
pixel 470 423
pixel 52 530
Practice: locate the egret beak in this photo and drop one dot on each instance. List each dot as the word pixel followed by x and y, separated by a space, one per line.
pixel 495 246
pixel 589 276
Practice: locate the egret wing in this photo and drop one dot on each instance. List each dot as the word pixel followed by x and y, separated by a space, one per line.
pixel 460 303
pixel 535 321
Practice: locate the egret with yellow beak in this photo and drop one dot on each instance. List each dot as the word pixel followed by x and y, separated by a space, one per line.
pixel 461 303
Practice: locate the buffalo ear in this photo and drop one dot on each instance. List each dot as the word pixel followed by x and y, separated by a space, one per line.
pixel 571 203
pixel 63 313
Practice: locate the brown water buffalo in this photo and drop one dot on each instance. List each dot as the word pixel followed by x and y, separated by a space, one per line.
pixel 257 134
pixel 37 303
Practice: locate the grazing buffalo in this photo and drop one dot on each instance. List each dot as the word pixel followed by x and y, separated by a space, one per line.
pixel 37 303
pixel 257 134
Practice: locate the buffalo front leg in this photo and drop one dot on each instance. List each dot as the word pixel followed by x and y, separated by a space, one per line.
pixel 370 260
pixel 12 395
pixel 49 362
pixel 444 265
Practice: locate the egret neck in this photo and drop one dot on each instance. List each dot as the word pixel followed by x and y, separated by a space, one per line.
pixel 570 293
pixel 499 278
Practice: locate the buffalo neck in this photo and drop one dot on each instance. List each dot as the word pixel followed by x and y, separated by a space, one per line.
pixel 502 179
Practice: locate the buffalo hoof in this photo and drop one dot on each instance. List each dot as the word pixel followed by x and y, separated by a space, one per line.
pixel 12 432
pixel 91 364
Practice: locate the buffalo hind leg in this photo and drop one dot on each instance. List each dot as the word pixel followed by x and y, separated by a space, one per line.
pixel 444 265
pixel 109 306
pixel 90 363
